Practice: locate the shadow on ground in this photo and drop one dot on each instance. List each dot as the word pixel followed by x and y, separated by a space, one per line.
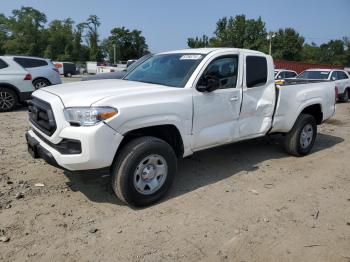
pixel 203 168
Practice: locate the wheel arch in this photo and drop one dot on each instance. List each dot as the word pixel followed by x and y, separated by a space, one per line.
pixel 167 132
pixel 41 77
pixel 314 110
pixel 12 87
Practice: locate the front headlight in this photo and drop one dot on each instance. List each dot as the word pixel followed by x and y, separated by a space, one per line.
pixel 88 116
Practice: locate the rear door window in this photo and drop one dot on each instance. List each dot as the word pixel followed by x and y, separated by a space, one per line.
pixel 3 64
pixel 281 75
pixel 342 75
pixel 290 74
pixel 30 62
pixel 334 76
pixel 256 71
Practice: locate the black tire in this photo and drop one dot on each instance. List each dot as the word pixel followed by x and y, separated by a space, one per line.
pixel 124 170
pixel 345 96
pixel 8 99
pixel 293 141
pixel 40 83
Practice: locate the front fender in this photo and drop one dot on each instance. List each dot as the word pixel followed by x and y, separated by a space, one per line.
pixel 153 120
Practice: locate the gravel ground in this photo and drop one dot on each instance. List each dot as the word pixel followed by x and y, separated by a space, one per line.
pixel 248 201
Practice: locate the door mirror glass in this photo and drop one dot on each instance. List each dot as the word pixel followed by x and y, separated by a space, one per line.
pixel 208 84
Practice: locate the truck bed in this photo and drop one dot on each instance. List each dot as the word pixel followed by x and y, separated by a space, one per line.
pixel 296 95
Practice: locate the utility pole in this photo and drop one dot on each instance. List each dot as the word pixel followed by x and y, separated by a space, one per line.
pixel 269 37
pixel 114 54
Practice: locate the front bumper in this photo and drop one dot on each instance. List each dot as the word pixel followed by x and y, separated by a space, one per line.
pixel 37 151
pixel 98 147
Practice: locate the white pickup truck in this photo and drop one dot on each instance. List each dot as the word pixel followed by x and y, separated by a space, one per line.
pixel 168 107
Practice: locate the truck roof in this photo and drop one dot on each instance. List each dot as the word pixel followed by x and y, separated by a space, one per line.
pixel 209 50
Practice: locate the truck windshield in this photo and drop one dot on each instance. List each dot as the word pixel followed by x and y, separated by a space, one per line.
pixel 167 69
pixel 322 75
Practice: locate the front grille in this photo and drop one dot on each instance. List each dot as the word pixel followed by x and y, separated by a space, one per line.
pixel 41 116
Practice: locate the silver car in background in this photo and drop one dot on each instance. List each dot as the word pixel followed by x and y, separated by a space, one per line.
pixel 43 71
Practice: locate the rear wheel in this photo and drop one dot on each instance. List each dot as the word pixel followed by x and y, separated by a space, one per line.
pixel 300 140
pixel 8 99
pixel 143 171
pixel 40 83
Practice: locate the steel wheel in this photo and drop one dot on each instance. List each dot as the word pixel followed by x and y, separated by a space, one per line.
pixel 7 101
pixel 150 174
pixel 306 136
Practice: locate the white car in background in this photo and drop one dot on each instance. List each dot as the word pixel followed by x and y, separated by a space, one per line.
pixel 283 73
pixel 15 84
pixel 43 71
pixel 340 77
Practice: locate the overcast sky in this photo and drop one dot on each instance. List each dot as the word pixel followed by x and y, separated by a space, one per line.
pixel 167 24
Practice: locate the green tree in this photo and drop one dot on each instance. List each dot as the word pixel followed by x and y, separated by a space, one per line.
pixel 333 52
pixel 347 51
pixel 128 44
pixel 26 26
pixel 287 44
pixel 238 32
pixel 3 33
pixel 198 42
pixel 60 40
pixel 91 25
pixel 310 53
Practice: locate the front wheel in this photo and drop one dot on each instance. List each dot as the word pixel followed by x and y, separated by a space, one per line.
pixel 300 140
pixel 8 99
pixel 143 171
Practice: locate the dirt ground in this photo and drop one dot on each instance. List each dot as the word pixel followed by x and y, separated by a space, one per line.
pixel 248 201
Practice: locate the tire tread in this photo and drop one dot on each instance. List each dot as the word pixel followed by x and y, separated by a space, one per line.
pixel 126 153
pixel 292 137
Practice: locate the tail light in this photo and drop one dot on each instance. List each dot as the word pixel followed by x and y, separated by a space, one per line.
pixel 28 77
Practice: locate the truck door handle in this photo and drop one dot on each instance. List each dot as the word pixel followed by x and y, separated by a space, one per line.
pixel 234 98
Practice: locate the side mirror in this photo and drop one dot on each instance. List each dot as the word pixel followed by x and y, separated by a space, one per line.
pixel 333 78
pixel 208 84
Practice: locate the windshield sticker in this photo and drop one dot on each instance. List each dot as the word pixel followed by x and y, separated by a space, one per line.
pixel 190 57
pixel 324 73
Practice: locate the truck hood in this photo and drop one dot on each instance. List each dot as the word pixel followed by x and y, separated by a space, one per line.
pixel 89 92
